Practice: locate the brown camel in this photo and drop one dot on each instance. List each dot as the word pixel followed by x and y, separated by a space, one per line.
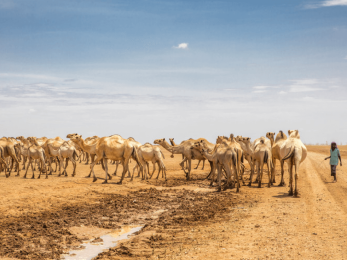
pixel 223 157
pixel 185 149
pixel 237 148
pixel 9 151
pixel 115 148
pixel 36 153
pixel 262 154
pixel 276 144
pixel 151 153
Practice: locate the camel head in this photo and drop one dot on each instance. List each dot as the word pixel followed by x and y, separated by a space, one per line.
pixel 20 138
pixel 270 135
pixel 294 134
pixel 220 139
pixel 76 138
pixel 159 141
pixel 238 138
pixel 71 135
pixel 231 138
pixel 198 146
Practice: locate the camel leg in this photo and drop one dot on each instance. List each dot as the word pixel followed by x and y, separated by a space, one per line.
pixel 189 169
pixel 261 173
pixel 296 177
pixel 106 170
pixel 213 171
pixel 197 165
pixel 32 169
pixel 153 170
pixel 290 169
pixel 66 164
pixel 182 163
pixel 87 156
pixel 160 169
pixel 219 177
pixel 252 172
pixel 25 175
pixel 92 169
pixel 203 165
pixel 282 183
pixel 135 168
pixel 125 169
pixel 273 173
pixel 269 173
pixel 115 172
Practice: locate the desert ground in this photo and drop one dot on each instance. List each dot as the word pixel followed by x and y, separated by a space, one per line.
pixel 43 218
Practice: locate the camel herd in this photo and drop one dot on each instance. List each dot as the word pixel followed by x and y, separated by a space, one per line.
pixel 226 157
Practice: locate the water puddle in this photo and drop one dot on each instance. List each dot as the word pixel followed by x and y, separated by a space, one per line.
pixel 91 248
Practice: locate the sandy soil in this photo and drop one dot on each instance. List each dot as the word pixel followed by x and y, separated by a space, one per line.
pixel 42 218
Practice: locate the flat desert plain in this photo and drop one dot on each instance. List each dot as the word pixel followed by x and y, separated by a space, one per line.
pixel 44 218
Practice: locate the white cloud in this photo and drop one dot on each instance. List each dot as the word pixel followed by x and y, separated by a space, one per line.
pixel 183 46
pixel 334 2
pixel 305 81
pixel 327 3
pixel 261 87
pixel 302 88
pixel 259 91
pixel 282 92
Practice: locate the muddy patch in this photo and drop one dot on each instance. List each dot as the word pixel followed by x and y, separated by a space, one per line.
pixel 161 212
pixel 94 247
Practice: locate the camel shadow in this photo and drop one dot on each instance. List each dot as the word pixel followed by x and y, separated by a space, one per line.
pixel 285 195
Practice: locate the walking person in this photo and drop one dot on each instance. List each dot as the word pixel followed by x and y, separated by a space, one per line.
pixel 334 159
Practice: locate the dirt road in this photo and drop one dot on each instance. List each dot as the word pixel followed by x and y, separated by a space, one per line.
pixel 183 220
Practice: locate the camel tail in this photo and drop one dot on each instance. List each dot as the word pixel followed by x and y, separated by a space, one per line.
pixel 290 154
pixel 135 155
pixel 234 159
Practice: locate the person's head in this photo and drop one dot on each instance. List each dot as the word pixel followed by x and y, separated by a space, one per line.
pixel 333 145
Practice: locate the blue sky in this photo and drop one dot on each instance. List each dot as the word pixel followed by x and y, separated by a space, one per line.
pixel 153 69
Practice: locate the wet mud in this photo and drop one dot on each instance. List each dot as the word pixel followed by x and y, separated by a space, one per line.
pixel 162 212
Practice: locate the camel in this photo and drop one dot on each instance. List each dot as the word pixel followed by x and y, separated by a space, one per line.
pixel 115 148
pixel 9 151
pixel 88 147
pixel 24 149
pixel 37 153
pixel 223 157
pixel 293 152
pixel 266 141
pixel 151 153
pixel 262 154
pixel 276 144
pixel 55 143
pixel 66 151
pixel 185 149
pixel 247 151
pixel 174 144
pixel 237 148
pixel 3 160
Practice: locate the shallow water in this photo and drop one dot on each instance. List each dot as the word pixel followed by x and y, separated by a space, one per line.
pixel 91 249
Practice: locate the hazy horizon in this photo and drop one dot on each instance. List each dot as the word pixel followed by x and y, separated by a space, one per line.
pixel 183 69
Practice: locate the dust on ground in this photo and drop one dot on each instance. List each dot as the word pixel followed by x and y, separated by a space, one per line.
pixel 182 219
